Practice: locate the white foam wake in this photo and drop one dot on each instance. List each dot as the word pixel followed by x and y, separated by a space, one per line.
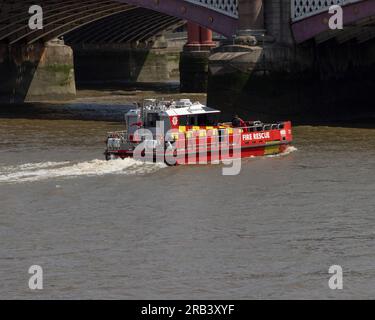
pixel 49 170
pixel 287 151
pixel 32 166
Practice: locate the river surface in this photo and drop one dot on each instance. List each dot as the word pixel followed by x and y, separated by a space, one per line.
pixel 128 230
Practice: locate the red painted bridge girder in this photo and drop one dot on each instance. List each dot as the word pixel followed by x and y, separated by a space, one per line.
pixel 310 27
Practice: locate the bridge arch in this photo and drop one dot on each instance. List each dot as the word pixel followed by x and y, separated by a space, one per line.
pixel 63 16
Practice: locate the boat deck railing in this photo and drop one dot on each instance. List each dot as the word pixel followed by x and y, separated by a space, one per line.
pixel 256 127
pixel 117 134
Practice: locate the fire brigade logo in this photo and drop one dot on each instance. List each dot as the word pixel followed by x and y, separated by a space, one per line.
pixel 174 121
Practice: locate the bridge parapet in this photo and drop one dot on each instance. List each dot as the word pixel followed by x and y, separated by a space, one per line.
pixel 302 9
pixel 226 7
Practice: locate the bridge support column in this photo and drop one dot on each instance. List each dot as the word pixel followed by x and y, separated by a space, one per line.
pixel 251 16
pixel 194 59
pixel 206 39
pixel 54 77
pixel 193 33
pixel 233 64
pixel 36 72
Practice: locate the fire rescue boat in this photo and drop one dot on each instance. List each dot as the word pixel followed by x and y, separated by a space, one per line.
pixel 182 132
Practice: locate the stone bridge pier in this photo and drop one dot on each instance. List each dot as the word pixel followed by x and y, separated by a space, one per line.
pixel 40 70
pixel 265 73
pixel 237 67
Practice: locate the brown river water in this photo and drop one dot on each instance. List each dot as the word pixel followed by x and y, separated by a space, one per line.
pixel 127 230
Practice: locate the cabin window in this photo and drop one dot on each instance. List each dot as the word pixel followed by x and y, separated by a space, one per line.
pixel 207 119
pixel 202 120
pixel 212 119
pixel 184 120
pixel 192 120
pixel 151 119
pixel 199 120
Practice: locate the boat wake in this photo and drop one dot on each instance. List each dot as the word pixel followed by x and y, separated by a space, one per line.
pixel 48 170
pixel 287 151
pixel 30 172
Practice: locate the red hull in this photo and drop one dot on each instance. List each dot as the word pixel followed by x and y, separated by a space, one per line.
pixel 209 157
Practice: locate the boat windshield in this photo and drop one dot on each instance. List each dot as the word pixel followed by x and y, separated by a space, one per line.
pixel 151 119
pixel 207 119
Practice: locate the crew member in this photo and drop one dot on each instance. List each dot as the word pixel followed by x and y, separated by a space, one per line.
pixel 238 122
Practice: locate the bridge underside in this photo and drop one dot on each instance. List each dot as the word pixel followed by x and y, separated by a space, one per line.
pixel 59 17
pixel 128 47
pixel 358 20
pixel 136 25
pixel 63 16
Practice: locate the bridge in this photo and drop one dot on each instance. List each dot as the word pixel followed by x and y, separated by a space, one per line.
pixel 309 18
pixel 63 16
pixel 264 36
